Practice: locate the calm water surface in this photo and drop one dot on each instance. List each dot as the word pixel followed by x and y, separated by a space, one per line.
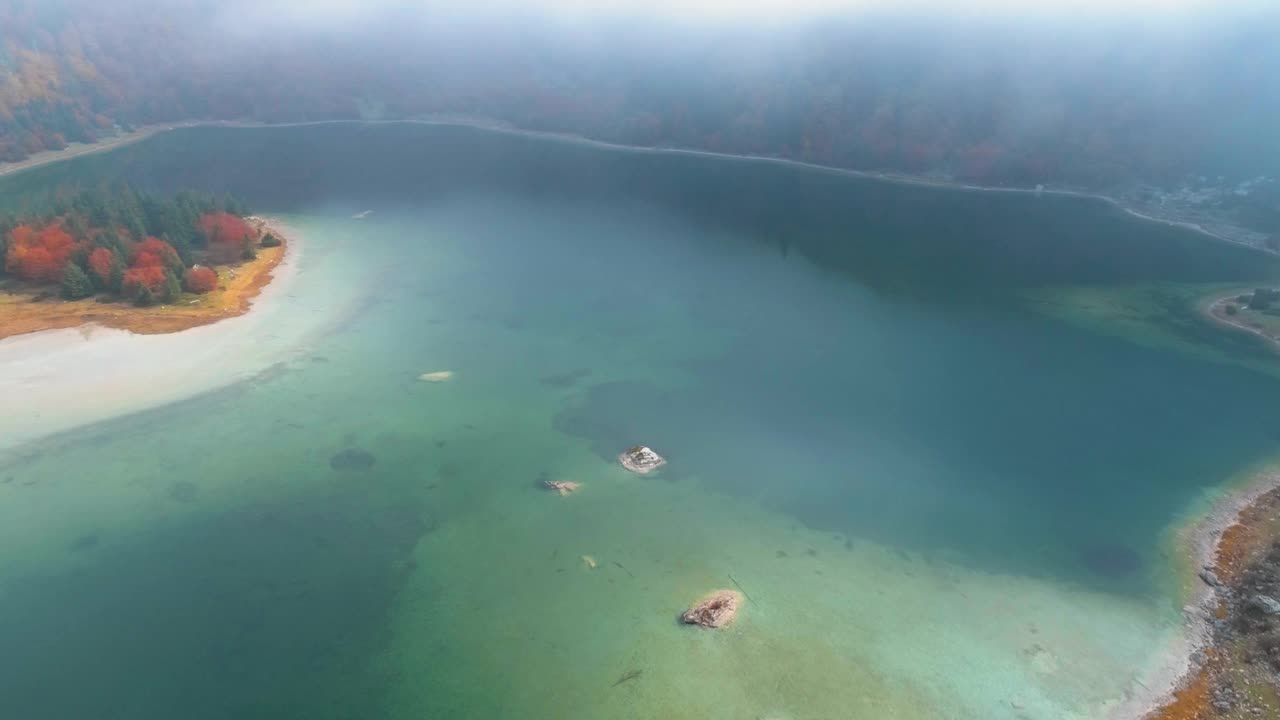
pixel 941 502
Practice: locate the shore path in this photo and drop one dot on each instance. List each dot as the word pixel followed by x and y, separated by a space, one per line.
pixel 1217 312
pixel 479 123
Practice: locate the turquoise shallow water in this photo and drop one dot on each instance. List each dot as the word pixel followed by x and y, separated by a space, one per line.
pixel 941 502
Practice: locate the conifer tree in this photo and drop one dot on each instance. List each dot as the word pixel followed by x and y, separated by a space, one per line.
pixel 75 283
pixel 172 287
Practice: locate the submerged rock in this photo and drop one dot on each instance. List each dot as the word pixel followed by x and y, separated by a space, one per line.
pixel 352 459
pixel 715 610
pixel 589 562
pixel 438 376
pixel 641 460
pixel 564 487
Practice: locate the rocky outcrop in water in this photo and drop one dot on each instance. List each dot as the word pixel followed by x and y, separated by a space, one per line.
pixel 641 460
pixel 714 611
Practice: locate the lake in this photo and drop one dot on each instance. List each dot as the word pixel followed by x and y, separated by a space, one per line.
pixel 946 493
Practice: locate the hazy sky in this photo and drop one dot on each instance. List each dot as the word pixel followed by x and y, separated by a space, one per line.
pixel 294 16
pixel 745 8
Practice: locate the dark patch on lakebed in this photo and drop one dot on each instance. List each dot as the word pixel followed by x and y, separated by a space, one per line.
pixel 352 460
pixel 84 542
pixel 286 601
pixel 1113 561
pixel 184 491
pixel 611 416
pixel 565 379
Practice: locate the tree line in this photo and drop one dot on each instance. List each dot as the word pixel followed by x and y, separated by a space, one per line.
pixel 126 244
pixel 973 101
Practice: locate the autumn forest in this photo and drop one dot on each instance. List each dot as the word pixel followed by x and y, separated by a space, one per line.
pixel 126 245
pixel 949 95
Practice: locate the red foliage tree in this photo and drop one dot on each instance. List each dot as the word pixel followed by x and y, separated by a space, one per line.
pixel 100 264
pixel 153 252
pixel 228 236
pixel 201 279
pixel 151 276
pixel 225 228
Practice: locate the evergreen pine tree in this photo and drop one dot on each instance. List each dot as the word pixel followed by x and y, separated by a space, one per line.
pixel 75 283
pixel 143 297
pixel 117 273
pixel 172 287
pixel 77 226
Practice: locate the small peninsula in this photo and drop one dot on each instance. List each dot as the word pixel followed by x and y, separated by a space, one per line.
pixel 124 259
pixel 1256 312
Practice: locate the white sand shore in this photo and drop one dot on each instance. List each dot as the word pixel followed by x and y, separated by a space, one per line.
pixel 60 379
pixel 1198 543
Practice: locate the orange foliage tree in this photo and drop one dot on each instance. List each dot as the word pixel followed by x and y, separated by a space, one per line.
pixel 39 255
pixel 201 279
pixel 100 264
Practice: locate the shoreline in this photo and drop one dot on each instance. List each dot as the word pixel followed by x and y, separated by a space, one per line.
pixel 75 150
pixel 496 126
pixel 48 391
pixel 1215 305
pixel 881 176
pixel 234 298
pixel 1182 679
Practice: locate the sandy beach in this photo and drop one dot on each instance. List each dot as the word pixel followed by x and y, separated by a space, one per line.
pixel 60 379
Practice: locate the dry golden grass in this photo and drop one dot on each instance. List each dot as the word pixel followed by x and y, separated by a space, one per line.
pixel 21 313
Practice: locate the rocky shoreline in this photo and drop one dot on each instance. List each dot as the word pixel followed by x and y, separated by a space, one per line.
pixel 1231 668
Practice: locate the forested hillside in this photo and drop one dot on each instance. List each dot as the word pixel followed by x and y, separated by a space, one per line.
pixel 961 97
